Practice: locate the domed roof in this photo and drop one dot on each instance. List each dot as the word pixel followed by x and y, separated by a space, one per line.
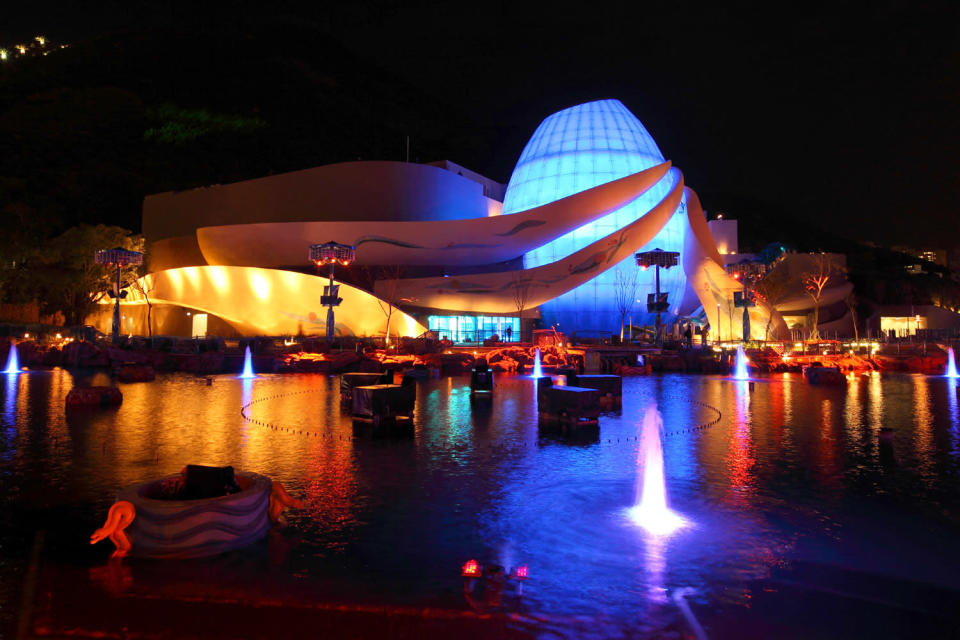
pixel 579 148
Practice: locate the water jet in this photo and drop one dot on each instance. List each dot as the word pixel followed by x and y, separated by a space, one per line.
pixel 650 510
pixel 537 370
pixel 13 361
pixel 951 371
pixel 247 365
pixel 740 372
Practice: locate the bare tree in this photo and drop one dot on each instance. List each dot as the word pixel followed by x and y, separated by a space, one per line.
pixel 772 289
pixel 390 276
pixel 851 301
pixel 144 287
pixel 520 287
pixel 625 293
pixel 814 282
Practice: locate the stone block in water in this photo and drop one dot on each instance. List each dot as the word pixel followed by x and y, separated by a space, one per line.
pixel 607 385
pixel 574 403
pixel 350 381
pixel 481 380
pixel 384 400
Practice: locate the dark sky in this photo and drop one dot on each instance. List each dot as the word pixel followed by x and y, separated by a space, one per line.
pixel 847 114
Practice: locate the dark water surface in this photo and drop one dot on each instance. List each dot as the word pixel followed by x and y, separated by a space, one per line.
pixel 800 526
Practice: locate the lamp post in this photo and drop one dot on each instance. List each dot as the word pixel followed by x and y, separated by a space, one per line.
pixel 121 258
pixel 743 299
pixel 657 258
pixel 331 253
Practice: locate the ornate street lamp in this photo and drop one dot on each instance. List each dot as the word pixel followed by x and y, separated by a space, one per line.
pixel 331 253
pixel 121 258
pixel 657 258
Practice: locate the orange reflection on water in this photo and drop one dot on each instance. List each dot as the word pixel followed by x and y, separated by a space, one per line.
pixel 923 444
pixel 331 486
pixel 826 464
pixel 740 459
pixel 853 408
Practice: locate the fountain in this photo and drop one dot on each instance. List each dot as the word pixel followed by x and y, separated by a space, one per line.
pixel 650 510
pixel 537 371
pixel 248 365
pixel 13 362
pixel 951 371
pixel 741 373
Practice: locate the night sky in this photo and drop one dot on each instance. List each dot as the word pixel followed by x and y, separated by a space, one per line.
pixel 846 115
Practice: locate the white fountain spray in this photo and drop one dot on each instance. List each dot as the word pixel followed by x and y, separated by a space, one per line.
pixel 650 510
pixel 248 365
pixel 951 371
pixel 537 370
pixel 13 361
pixel 740 372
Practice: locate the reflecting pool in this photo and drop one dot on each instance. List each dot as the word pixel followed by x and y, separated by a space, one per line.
pixel 790 507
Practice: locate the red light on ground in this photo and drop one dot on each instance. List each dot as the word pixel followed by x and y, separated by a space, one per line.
pixel 471 569
pixel 522 572
pixel 643 267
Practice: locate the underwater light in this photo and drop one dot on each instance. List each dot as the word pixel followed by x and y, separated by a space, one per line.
pixel 471 569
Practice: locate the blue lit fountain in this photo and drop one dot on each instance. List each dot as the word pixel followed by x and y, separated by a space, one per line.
pixel 247 365
pixel 740 372
pixel 951 371
pixel 537 370
pixel 13 361
pixel 650 509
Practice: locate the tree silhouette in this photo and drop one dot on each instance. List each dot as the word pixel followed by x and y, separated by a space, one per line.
pixel 814 282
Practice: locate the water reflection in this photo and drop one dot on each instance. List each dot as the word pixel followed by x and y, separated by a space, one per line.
pixel 390 520
pixel 954 418
pixel 10 400
pixel 740 460
pixel 923 433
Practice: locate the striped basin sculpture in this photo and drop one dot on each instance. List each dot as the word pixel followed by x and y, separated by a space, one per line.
pixel 142 524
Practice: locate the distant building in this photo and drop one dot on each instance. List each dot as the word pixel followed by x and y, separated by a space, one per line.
pixel 724 233
pixel 906 320
pixel 927 255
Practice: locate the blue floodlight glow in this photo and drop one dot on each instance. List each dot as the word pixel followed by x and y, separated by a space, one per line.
pixel 577 149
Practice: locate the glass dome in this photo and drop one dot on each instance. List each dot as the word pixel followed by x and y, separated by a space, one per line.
pixel 576 149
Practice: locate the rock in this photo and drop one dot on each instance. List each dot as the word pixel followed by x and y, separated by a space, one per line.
pixel 91 397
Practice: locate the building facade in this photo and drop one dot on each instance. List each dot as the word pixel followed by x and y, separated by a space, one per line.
pixel 436 248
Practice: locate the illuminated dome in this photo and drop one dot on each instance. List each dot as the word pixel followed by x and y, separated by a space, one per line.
pixel 576 149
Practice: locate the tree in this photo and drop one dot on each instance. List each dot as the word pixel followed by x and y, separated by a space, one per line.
pixel 390 276
pixel 144 287
pixel 520 287
pixel 814 282
pixel 625 293
pixel 69 279
pixel 851 301
pixel 771 290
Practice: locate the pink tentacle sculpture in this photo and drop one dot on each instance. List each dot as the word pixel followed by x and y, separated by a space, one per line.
pixel 280 500
pixel 119 517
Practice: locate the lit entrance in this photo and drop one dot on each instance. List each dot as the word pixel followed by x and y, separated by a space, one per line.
pixel 475 329
pixel 199 325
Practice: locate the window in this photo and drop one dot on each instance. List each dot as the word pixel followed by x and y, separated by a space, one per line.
pixel 475 329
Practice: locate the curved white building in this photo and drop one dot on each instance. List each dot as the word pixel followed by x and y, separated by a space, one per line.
pixel 589 191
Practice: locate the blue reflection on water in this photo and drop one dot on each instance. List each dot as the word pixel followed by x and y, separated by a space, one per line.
pixel 10 401
pixel 771 483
